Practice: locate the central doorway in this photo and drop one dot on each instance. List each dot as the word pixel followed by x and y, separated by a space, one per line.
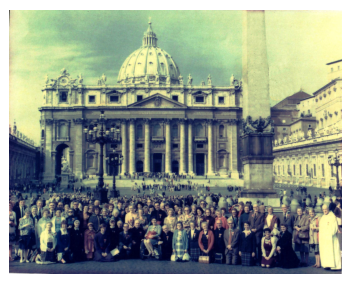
pixel 157 162
pixel 139 166
pixel 200 164
pixel 175 167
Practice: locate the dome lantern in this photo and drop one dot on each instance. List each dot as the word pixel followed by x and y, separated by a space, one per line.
pixel 150 38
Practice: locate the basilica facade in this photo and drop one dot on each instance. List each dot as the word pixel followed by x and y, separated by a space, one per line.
pixel 163 123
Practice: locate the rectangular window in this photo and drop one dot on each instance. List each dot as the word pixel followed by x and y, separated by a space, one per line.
pixel 200 145
pixel 139 97
pixel 314 170
pixel 300 173
pixel 139 145
pixel 91 98
pixel 284 129
pixel 283 169
pixel 176 97
pixel 294 170
pixel 221 100
pixel 279 172
pixel 63 96
pixel 175 145
pixel 322 170
pixel 114 98
pixel 199 99
pixel 307 169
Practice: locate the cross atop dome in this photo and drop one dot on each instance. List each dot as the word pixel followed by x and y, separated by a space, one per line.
pixel 149 38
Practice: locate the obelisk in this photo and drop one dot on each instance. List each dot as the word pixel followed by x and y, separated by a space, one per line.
pixel 257 157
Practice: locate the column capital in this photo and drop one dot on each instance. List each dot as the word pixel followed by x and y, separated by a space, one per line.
pixel 146 121
pixel 234 121
pixel 132 120
pixel 49 122
pixel 167 121
pixel 123 121
pixel 190 121
pixel 79 120
pixel 210 121
pixel 182 121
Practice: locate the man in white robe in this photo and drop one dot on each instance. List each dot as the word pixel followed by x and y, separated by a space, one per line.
pixel 328 240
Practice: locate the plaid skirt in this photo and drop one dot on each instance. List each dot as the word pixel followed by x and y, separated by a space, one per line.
pixel 179 251
pixel 194 253
pixel 246 259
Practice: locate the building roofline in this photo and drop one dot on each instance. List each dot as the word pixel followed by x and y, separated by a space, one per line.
pixel 330 63
pixel 327 85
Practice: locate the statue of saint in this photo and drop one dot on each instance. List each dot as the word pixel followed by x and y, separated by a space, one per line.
pixel 168 81
pixel 209 79
pixel 47 80
pixel 232 80
pixel 190 79
pixel 65 166
pixel 103 79
pixel 63 72
pixel 181 79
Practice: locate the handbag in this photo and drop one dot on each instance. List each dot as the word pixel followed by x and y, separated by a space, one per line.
pixel 172 258
pixel 304 235
pixel 114 252
pixel 186 257
pixel 151 234
pixel 203 259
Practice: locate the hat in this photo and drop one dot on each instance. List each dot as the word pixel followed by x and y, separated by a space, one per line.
pixel 90 224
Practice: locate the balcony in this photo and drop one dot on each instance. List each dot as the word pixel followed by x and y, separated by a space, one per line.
pixel 200 139
pixel 158 139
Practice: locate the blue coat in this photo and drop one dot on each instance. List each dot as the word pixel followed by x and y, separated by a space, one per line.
pixel 63 241
pixel 184 238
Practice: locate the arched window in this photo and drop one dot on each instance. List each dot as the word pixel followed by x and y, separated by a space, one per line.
pixel 139 133
pixel 200 131
pixel 174 131
pixel 42 134
pixel 221 131
pixel 157 130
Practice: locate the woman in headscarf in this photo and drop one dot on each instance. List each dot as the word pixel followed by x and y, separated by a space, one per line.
pixel 56 221
pixel 25 228
pixel 247 244
pixel 268 248
pixel 77 242
pixel 234 218
pixel 63 243
pixel 47 246
pixel 102 245
pixel 89 236
pixel 170 220
pixel 12 230
pixel 301 236
pixel 206 241
pixel 151 236
pixel 314 236
pixel 193 246
pixel 180 242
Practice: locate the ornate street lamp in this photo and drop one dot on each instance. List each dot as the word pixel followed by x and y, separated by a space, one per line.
pixel 114 160
pixel 336 161
pixel 100 136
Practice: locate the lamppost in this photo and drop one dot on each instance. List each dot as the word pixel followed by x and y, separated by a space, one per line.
pixel 335 161
pixel 100 136
pixel 114 160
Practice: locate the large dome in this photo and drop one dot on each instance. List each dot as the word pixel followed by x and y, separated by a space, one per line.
pixel 149 64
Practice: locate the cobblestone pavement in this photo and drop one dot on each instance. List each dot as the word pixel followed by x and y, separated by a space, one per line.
pixel 137 266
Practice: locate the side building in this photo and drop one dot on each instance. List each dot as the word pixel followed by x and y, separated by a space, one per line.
pixel 302 153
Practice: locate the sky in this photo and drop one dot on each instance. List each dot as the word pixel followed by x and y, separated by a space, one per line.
pixel 299 44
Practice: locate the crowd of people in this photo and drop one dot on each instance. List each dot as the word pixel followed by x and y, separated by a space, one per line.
pixel 70 227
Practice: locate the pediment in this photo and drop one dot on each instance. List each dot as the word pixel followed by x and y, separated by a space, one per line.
pixel 158 101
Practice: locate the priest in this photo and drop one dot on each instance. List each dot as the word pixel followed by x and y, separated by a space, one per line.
pixel 328 240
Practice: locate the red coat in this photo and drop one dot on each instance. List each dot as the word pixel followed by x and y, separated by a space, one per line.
pixel 210 240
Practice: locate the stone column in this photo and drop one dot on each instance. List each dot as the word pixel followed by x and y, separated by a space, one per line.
pixel 190 148
pixel 182 165
pixel 167 147
pixel 210 148
pixel 147 164
pixel 234 149
pixel 132 168
pixel 124 147
pixel 79 142
pixel 48 174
